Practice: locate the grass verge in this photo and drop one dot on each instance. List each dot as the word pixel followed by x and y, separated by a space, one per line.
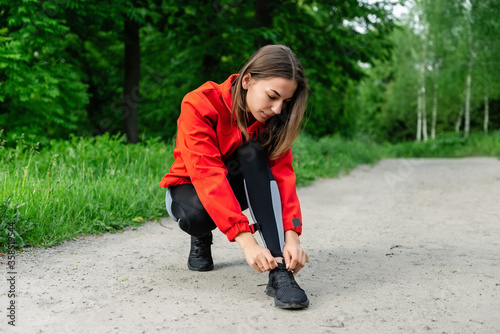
pixel 96 185
pixel 80 186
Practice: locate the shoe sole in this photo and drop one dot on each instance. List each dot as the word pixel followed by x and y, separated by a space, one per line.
pixel 292 305
pixel 201 269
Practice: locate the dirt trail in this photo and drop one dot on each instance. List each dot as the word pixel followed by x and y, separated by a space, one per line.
pixel 406 246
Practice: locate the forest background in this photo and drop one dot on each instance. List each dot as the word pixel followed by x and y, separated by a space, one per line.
pixel 81 81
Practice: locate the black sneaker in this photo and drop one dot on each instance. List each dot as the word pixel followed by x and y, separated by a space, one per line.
pixel 200 255
pixel 286 292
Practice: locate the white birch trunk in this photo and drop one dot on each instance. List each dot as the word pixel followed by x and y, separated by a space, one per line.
pixel 423 63
pixel 434 111
pixel 419 116
pixel 468 84
pixel 486 114
pixel 424 114
pixel 467 103
pixel 419 103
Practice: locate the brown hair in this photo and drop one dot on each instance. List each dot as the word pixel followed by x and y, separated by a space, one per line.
pixel 273 61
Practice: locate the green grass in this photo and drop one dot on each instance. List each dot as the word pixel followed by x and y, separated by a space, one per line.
pixel 331 156
pixel 450 145
pixel 81 186
pixel 96 185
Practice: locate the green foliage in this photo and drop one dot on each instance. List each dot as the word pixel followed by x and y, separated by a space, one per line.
pixel 40 88
pixel 448 47
pixel 61 62
pixel 332 47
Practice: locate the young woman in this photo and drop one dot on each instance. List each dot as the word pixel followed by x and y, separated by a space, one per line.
pixel 232 153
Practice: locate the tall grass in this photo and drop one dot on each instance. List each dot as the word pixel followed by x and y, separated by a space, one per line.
pixel 80 186
pixel 331 156
pixel 450 145
pixel 95 185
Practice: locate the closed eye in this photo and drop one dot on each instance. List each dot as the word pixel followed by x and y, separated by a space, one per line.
pixel 271 97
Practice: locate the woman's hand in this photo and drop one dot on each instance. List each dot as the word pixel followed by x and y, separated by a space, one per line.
pixel 295 257
pixel 258 257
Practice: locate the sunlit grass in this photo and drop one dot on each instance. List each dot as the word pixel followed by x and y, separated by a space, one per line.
pixel 331 156
pixel 451 145
pixel 80 186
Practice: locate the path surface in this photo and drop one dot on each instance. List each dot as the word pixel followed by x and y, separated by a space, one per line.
pixel 406 246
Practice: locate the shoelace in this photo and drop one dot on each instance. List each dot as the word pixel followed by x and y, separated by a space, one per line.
pixel 284 279
pixel 202 248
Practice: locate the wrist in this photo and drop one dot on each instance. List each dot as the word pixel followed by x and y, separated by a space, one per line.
pixel 245 239
pixel 292 236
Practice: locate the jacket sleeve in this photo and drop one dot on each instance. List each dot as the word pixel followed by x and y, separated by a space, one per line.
pixel 197 141
pixel 284 175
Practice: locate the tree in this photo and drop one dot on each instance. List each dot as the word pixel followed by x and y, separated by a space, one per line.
pixel 422 60
pixel 487 72
pixel 449 51
pixel 109 51
pixel 41 88
pixel 132 70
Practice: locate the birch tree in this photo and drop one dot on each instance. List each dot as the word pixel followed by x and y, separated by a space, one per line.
pixel 487 32
pixel 420 27
pixel 470 64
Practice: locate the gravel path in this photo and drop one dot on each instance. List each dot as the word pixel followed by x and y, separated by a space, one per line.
pixel 406 246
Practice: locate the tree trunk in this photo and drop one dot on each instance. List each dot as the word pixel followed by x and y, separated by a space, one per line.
pixel 467 104
pixel 423 62
pixel 93 112
pixel 263 19
pixel 424 115
pixel 422 118
pixel 419 116
pixel 486 114
pixel 210 62
pixel 131 84
pixel 468 84
pixel 458 124
pixel 434 110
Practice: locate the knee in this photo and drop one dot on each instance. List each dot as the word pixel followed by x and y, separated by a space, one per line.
pixel 196 223
pixel 250 150
pixel 184 206
pixel 251 154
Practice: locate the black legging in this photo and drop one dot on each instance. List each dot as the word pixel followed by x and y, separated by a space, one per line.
pixel 254 187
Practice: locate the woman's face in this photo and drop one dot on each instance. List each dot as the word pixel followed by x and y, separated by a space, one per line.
pixel 267 97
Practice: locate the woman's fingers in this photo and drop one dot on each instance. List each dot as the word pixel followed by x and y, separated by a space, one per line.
pixel 266 261
pixel 304 258
pixel 287 257
pixel 260 258
pixel 295 257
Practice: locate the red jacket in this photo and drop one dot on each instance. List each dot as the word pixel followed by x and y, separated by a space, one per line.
pixel 206 138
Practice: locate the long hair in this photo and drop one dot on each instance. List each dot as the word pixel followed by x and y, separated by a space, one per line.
pixel 268 62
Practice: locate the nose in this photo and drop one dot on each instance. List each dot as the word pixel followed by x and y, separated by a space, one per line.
pixel 276 107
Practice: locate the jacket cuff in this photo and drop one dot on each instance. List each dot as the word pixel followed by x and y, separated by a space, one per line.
pixel 237 229
pixel 294 224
